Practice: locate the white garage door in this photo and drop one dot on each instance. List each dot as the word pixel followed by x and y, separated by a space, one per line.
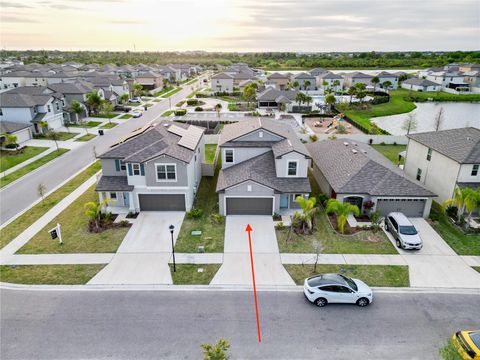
pixel 410 207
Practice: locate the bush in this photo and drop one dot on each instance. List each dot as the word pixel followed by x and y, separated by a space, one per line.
pixel 195 213
pixel 180 112
pixel 323 198
pixel 434 216
pixel 313 138
pixel 124 223
pixel 198 108
pixel 277 217
pixel 11 146
pixel 216 219
pixel 180 103
pixel 452 211
pixel 191 102
pixel 280 226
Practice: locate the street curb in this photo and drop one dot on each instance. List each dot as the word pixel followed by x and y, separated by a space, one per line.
pixel 221 288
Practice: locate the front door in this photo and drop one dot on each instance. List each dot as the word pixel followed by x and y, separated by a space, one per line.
pixel 126 199
pixel 283 201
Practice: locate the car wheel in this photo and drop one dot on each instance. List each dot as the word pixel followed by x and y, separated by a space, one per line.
pixel 399 244
pixel 321 302
pixel 362 302
pixel 386 227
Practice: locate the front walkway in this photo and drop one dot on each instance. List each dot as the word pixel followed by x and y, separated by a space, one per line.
pixel 236 268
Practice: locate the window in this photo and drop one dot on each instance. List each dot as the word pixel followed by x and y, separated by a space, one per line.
pixel 166 172
pixel 292 168
pixel 113 195
pixel 49 108
pixel 249 187
pixel 57 105
pixel 136 169
pixel 229 156
pixel 475 169
pixel 260 134
pixel 123 166
pixel 429 154
pixel 1 112
pixel 419 174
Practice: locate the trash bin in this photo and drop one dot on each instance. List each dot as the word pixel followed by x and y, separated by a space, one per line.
pixel 100 132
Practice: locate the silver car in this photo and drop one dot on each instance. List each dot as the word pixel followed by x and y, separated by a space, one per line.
pixel 403 231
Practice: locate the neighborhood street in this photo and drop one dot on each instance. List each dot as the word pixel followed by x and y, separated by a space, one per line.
pixel 172 324
pixel 20 196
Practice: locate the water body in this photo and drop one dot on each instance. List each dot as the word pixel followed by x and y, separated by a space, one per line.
pixel 455 115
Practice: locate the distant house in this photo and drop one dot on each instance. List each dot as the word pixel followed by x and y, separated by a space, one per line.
pixel 330 79
pixel 317 71
pixel 305 78
pixel 353 78
pixel 76 91
pixel 264 168
pixel 271 98
pixel 386 76
pixel 22 131
pixel 442 160
pixel 150 80
pixel 357 173
pixel 222 82
pixel 420 85
pixel 280 80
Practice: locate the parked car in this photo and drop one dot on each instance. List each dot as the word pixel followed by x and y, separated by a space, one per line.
pixel 336 288
pixel 134 100
pixel 122 108
pixel 403 231
pixel 136 113
pixel 467 343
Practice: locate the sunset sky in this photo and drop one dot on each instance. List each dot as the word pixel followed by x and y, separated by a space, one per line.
pixel 240 25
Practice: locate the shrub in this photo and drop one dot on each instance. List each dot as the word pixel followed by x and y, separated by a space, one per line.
pixel 124 223
pixel 434 216
pixel 313 138
pixel 452 211
pixel 198 108
pixel 195 213
pixel 276 217
pixel 180 112
pixel 191 102
pixel 323 198
pixel 280 226
pixel 216 219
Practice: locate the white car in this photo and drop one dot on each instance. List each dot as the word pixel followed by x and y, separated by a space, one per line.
pixel 403 231
pixel 136 113
pixel 336 288
pixel 134 100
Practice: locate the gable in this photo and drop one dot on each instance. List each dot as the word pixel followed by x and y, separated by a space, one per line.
pixel 255 136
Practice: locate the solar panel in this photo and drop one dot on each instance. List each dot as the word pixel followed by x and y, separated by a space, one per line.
pixel 191 137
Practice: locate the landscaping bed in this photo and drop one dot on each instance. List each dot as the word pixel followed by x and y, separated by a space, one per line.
pixel 390 151
pixel 372 275
pixel 60 135
pixel 108 126
pixel 187 274
pixel 86 137
pixel 75 232
pixel 9 159
pixel 49 274
pixel 30 167
pixel 17 226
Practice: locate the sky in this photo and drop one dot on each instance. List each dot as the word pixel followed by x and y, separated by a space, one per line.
pixel 240 25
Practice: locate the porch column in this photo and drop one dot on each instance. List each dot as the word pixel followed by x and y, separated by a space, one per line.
pixel 130 200
pixel 100 197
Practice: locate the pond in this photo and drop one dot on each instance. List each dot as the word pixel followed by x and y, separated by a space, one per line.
pixel 455 115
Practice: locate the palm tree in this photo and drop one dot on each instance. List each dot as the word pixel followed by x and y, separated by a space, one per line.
pixel 300 98
pixel 295 84
pixel 10 140
pixel 342 210
pixel 218 107
pixel 306 219
pixel 330 100
pixel 306 84
pixel 463 199
pixel 94 101
pixel 352 90
pixel 387 84
pixel 336 84
pixel 44 126
pixel 123 99
pixel 76 108
pixel 137 88
pixel 375 81
pixel 307 99
pixel 94 211
pixel 361 94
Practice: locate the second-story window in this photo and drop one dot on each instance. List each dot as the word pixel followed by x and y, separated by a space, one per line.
pixel 475 170
pixel 429 154
pixel 419 174
pixel 229 156
pixel 292 168
pixel 49 108
pixel 57 105
pixel 123 166
pixel 136 169
pixel 166 172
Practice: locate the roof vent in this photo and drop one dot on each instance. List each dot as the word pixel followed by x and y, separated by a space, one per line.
pixel 354 151
pixel 345 143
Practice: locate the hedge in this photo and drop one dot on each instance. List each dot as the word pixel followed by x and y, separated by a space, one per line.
pixel 180 112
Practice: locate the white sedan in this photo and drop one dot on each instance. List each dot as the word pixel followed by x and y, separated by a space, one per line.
pixel 336 288
pixel 136 113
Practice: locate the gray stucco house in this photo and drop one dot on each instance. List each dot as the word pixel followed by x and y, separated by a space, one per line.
pixel 357 173
pixel 264 168
pixel 157 169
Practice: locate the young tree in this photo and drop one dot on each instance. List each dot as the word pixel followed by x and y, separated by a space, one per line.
pixel 305 221
pixel 352 90
pixel 300 98
pixel 250 93
pixel 306 84
pixel 44 126
pixel 387 84
pixel 330 101
pixel 137 88
pixel 41 188
pixel 439 119
pixel 295 84
pixel 94 101
pixel 361 94
pixel 307 99
pixel 342 210
pixel 375 81
pixel 410 123
pixel 107 109
pixel 10 141
pixel 216 351
pixel 123 99
pixel 336 84
pixel 54 136
pixel 318 248
pixel 218 108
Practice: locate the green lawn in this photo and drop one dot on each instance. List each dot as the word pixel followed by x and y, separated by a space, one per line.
pixel 49 274
pixel 476 268
pixel 125 117
pixel 61 135
pixel 89 124
pixel 172 92
pixel 212 234
pixel 106 116
pixel 187 274
pixel 76 236
pixel 30 167
pixel 9 159
pixel 132 104
pixel 372 275
pixel 163 91
pixel 210 150
pixel 191 95
pixel 437 96
pixel 148 105
pixel 108 125
pixel 462 244
pixel 233 107
pixel 86 137
pixel 390 151
pixel 16 227
pixel 168 112
pixel 190 82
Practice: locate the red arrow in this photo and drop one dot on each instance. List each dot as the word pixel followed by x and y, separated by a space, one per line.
pixel 249 230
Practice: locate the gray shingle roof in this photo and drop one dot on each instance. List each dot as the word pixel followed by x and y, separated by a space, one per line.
pixel 461 145
pixel 10 127
pixel 222 76
pixel 363 172
pixel 261 169
pixel 358 75
pixel 27 96
pixel 420 82
pixel 304 75
pixel 277 76
pixel 113 183
pixel 271 94
pixel 330 75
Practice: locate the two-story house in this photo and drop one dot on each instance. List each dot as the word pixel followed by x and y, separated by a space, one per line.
pixel 353 78
pixel 329 80
pixel 384 76
pixel 305 81
pixel 158 168
pixel 222 82
pixel 264 168
pixel 75 91
pixel 442 160
pixel 281 81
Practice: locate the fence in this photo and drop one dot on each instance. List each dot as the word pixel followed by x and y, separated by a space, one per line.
pixel 363 138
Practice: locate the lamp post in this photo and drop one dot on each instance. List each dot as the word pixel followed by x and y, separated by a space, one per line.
pixel 171 227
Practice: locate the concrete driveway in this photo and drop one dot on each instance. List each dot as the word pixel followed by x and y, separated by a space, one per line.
pixel 143 256
pixel 236 269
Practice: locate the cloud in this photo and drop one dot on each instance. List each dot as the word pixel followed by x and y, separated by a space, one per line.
pixel 7 4
pixel 16 19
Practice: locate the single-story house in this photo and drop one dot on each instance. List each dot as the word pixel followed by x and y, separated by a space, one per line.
pixel 22 131
pixel 416 84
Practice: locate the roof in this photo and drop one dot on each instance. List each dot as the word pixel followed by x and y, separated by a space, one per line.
pixel 461 145
pixel 113 183
pixel 277 76
pixel 357 168
pixel 27 96
pixel 358 75
pixel 330 75
pixel 420 82
pixel 72 88
pixel 10 127
pixel 290 141
pixel 271 94
pixel 386 74
pixel 175 140
pixel 261 169
pixel 222 76
pixel 304 75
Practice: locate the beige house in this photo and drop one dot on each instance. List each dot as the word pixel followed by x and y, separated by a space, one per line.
pixel 150 80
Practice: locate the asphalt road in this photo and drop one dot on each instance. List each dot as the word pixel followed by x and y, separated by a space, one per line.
pixel 173 324
pixel 23 193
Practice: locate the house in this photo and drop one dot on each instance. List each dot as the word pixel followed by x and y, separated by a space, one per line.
pixel 305 81
pixel 76 91
pixel 357 173
pixel 442 160
pixel 22 131
pixel 264 168
pixel 329 80
pixel 420 85
pixel 353 78
pixel 449 80
pixel 271 98
pixel 280 80
pixel 245 83
pixel 150 80
pixel 240 77
pixel 317 71
pixel 158 168
pixel 32 105
pixel 472 78
pixel 222 82
pixel 386 76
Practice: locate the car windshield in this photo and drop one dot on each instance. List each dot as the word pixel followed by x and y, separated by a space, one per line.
pixel 408 230
pixel 350 282
pixel 475 336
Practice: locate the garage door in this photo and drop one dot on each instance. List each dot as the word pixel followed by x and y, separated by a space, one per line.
pixel 410 207
pixel 162 202
pixel 249 206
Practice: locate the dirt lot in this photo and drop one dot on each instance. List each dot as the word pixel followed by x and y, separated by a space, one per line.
pixel 320 126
